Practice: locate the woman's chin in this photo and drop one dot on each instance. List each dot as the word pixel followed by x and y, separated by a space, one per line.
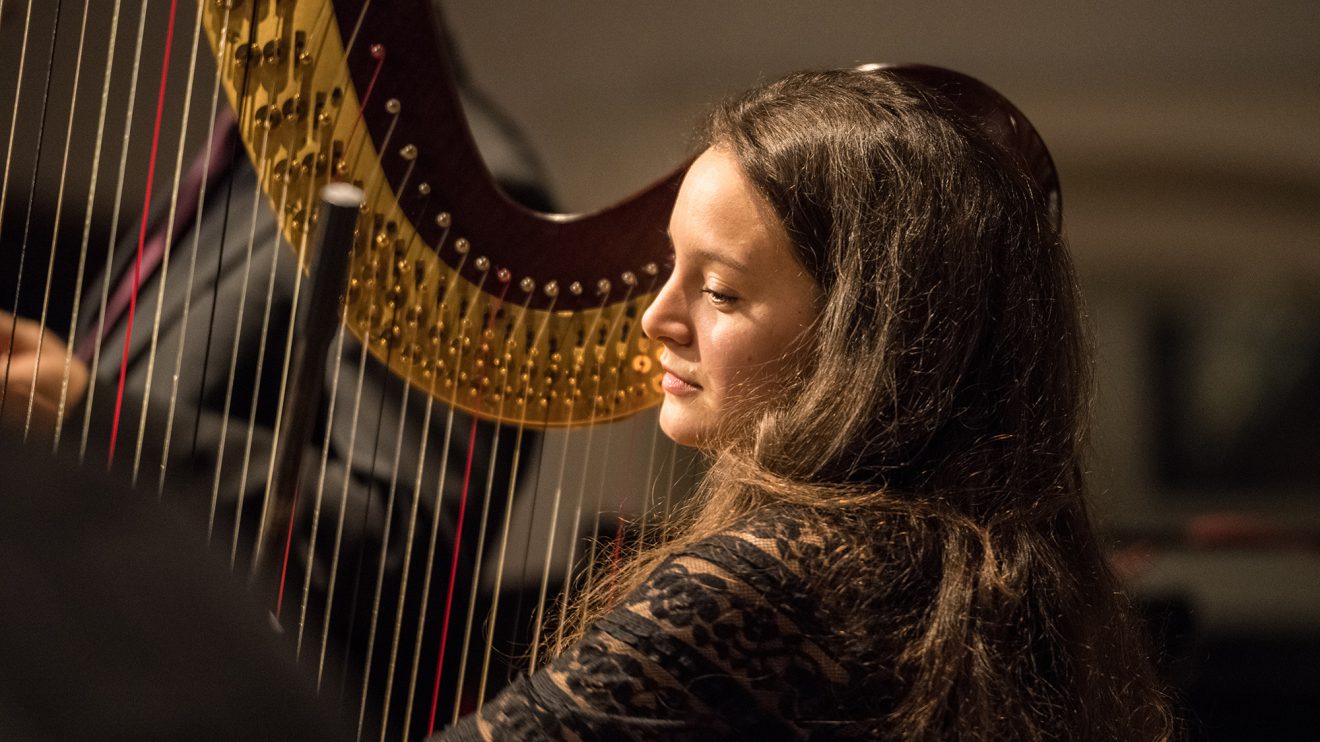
pixel 679 427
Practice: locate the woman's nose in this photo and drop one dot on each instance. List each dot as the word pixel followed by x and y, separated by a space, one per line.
pixel 666 319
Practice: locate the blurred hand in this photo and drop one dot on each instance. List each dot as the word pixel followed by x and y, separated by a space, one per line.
pixel 21 358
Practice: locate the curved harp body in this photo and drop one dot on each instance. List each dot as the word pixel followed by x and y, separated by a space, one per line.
pixel 512 315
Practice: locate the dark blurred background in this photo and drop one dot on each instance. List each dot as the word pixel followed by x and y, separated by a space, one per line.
pixel 1187 135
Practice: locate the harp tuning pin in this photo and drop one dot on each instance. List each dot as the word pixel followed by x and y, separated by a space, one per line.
pixel 424 188
pixel 575 288
pixel 651 269
pixel 482 263
pixel 377 51
pixel 551 289
pixel 272 52
pixel 629 278
pixel 527 284
pixel 409 152
pixel 393 106
pixel 461 246
pixel 443 219
pixel 603 286
pixel 503 275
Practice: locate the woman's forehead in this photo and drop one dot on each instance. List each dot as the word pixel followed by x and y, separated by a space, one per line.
pixel 719 216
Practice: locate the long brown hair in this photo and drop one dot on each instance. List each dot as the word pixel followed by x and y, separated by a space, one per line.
pixel 943 413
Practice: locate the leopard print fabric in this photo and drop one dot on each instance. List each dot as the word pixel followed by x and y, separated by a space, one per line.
pixel 730 636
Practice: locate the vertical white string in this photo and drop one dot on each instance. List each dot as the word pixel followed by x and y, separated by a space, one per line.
pixel 108 276
pixel 169 240
pixel 508 517
pixel 54 237
pixel 86 233
pixel 233 361
pixel 192 258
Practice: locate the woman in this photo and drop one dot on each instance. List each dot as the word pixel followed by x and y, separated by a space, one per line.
pixel 872 329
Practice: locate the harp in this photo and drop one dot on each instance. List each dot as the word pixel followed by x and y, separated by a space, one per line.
pixel 522 320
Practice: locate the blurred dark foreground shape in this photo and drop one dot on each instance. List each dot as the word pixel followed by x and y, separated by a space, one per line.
pixel 115 623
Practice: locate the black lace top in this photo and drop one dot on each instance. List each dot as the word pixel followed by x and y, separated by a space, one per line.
pixel 735 635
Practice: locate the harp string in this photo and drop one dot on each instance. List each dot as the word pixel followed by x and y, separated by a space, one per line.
pixel 240 311
pixel 539 621
pixel 142 231
pixel 571 564
pixel 436 512
pixel 410 537
pixel 649 485
pixel 27 221
pixel 527 540
pixel 458 528
pixel 86 236
pixel 507 520
pixel 343 509
pixel 55 232
pixel 389 499
pixel 222 239
pixel 172 408
pixel 4 186
pixel 444 621
pixel 620 521
pixel 359 559
pixel 276 249
pixel 503 389
pixel 325 448
pixel 169 240
pixel 598 510
pixel 374 188
pixel 266 136
pixel 386 521
pixel 281 395
pixel 108 274
pixel 319 494
pixel 318 30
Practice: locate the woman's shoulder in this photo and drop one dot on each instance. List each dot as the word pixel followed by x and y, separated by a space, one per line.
pixel 803 540
pixel 770 568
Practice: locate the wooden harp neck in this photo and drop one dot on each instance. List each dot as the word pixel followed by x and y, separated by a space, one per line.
pixel 502 311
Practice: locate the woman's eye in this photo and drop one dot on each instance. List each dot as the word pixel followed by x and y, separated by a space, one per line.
pixel 718 298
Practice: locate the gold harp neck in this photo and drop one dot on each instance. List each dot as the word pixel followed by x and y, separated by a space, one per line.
pixel 507 313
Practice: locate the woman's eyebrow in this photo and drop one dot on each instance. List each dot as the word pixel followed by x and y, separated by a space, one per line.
pixel 710 256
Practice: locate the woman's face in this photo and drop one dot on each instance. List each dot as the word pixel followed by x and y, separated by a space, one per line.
pixel 737 301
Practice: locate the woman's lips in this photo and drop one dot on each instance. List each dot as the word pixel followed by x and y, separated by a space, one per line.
pixel 677 385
